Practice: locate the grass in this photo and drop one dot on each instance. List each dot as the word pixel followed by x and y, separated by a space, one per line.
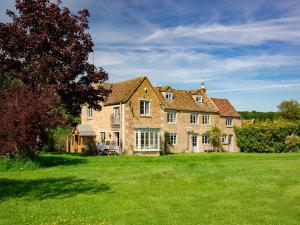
pixel 174 189
pixel 18 163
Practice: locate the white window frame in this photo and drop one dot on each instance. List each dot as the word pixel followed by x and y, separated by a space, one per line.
pixel 173 138
pixel 194 140
pixel 224 138
pixel 144 106
pixel 151 135
pixel 229 121
pixel 205 140
pixel 199 98
pixel 171 117
pixel 194 120
pixel 169 95
pixel 116 115
pixel 89 113
pixel 100 136
pixel 206 118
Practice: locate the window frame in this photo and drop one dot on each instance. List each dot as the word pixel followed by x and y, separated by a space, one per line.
pixel 144 105
pixel 173 138
pixel 151 138
pixel 100 136
pixel 205 140
pixel 224 139
pixel 89 113
pixel 196 117
pixel 173 117
pixel 199 96
pixel 169 95
pixel 206 119
pixel 227 120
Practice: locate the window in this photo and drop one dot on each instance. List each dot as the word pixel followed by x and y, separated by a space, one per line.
pixel 194 118
pixel 173 138
pixel 229 121
pixel 224 139
pixel 194 141
pixel 205 139
pixel 145 108
pixel 90 113
pixel 147 139
pixel 116 116
pixel 206 118
pixel 171 117
pixel 199 98
pixel 169 95
pixel 102 137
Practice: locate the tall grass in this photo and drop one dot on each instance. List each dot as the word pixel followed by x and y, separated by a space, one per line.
pixel 17 164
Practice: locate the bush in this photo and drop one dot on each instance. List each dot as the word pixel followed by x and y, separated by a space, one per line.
pixel 292 143
pixel 214 136
pixel 56 138
pixel 267 136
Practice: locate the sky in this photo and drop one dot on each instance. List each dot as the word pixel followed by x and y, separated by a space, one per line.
pixel 246 51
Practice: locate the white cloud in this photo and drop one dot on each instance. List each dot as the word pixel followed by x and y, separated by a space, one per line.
pixel 189 67
pixel 282 29
pixel 261 85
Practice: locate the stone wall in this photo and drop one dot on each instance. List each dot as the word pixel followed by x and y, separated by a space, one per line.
pixel 134 120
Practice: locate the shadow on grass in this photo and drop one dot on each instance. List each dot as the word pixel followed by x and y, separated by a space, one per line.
pixel 64 187
pixel 58 160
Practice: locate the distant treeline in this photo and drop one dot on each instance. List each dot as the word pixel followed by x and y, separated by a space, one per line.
pixel 247 115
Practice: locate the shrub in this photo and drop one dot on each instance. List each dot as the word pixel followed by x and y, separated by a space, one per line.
pixel 267 136
pixel 57 138
pixel 292 143
pixel 214 136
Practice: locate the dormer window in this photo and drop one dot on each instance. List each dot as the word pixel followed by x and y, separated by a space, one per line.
pixel 199 98
pixel 169 96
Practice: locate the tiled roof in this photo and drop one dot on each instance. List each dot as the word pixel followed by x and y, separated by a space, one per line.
pixel 183 100
pixel 225 107
pixel 122 91
pixel 164 88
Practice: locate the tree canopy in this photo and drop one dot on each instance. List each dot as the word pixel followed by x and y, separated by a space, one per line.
pixel 45 44
pixel 289 109
pixel 44 72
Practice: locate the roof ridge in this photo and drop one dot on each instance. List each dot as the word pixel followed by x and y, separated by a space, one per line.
pixel 219 98
pixel 128 80
pixel 176 89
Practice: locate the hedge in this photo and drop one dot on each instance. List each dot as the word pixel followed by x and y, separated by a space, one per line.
pixel 268 137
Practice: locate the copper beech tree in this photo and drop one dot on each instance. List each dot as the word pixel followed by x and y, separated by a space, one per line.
pixel 45 48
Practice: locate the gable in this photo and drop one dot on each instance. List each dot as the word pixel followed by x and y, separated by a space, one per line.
pixel 122 91
pixel 225 107
pixel 146 91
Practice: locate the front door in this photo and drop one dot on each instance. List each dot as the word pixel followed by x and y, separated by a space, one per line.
pixel 117 138
pixel 194 143
pixel 230 144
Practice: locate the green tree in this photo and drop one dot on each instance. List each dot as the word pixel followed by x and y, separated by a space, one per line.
pixel 214 137
pixel 289 109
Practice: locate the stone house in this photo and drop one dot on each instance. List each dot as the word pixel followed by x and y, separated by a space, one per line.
pixel 143 119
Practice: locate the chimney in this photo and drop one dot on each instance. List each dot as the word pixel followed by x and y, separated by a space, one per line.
pixel 203 89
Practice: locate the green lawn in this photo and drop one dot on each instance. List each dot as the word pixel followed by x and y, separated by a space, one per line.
pixel 175 189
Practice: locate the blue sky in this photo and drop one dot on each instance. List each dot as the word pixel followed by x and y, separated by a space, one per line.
pixel 246 51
